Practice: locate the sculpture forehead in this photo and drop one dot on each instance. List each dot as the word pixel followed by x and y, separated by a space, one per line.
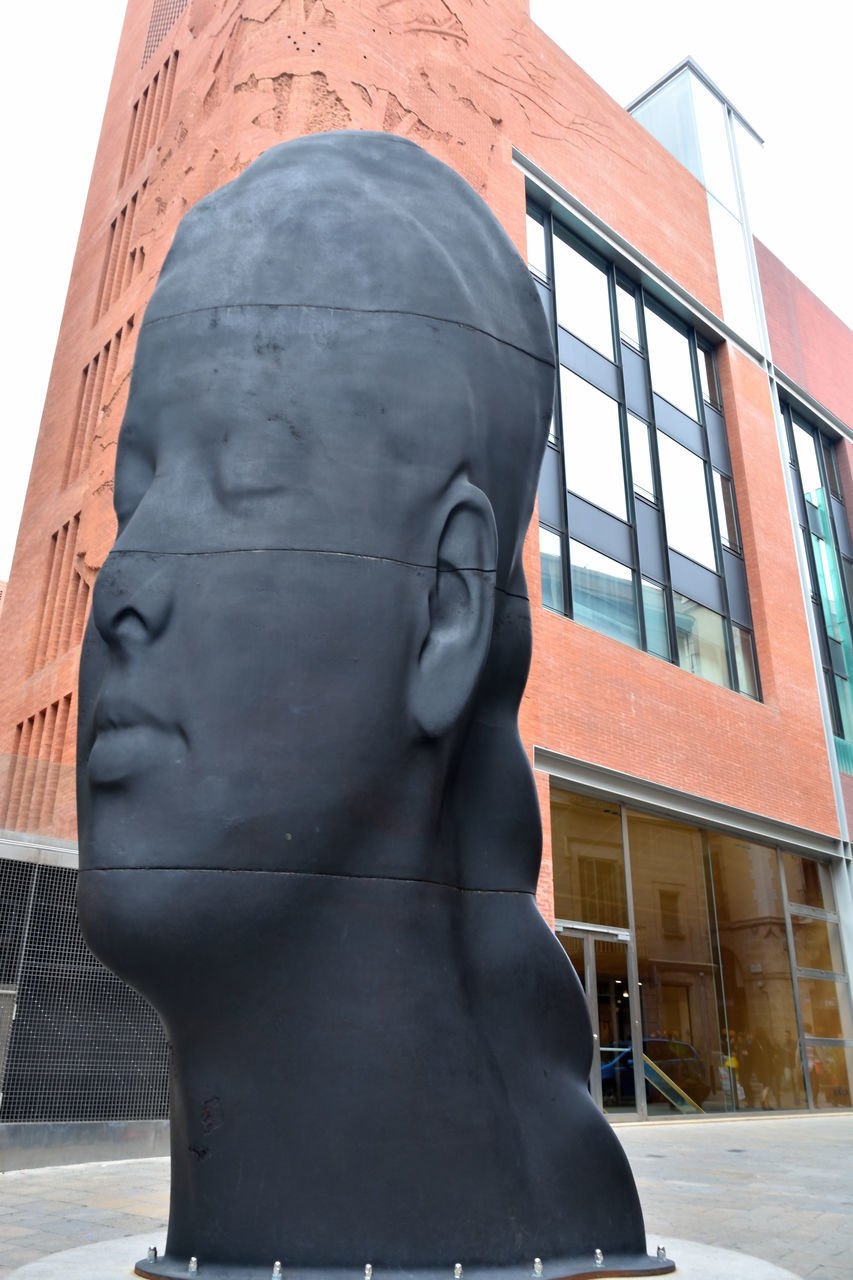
pixel 353 220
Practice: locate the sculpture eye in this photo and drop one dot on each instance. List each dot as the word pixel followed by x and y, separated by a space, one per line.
pixel 133 475
pixel 255 459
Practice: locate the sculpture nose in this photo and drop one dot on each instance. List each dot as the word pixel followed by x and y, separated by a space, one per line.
pixel 132 600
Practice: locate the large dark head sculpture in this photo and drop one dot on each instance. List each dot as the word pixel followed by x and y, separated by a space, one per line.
pixel 308 829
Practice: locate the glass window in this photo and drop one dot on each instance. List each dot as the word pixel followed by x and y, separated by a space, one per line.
pixel 654 612
pixel 593 444
pixel 536 255
pixel 830 1072
pixel 675 956
pixel 711 124
pixel 685 496
pixel 726 518
pixel 551 560
pixel 589 870
pixel 808 882
pixel 670 363
pixel 583 297
pixel 604 594
pixel 733 270
pixel 808 464
pixel 831 465
pixel 701 640
pixel 755 972
pixel 825 1006
pixel 626 304
pixel 747 678
pixel 708 375
pixel 817 944
pixel 641 457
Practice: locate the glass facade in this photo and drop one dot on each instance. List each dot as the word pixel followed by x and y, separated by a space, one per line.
pixel 712 963
pixel 639 532
pixel 828 552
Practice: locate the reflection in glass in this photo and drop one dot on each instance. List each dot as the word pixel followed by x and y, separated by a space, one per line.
pixel 817 944
pixel 724 493
pixel 718 171
pixel 825 1006
pixel 589 871
pixel 701 640
pixel 685 497
pixel 626 305
pixel 755 973
pixel 708 376
pixel 551 561
pixel 670 364
pixel 654 612
pixel 641 457
pixel 831 465
pixel 604 594
pixel 830 1072
pixel 536 256
pixel 733 270
pixel 583 297
pixel 618 1088
pixel 807 461
pixel 747 677
pixel 593 444
pixel 808 882
pixel 675 957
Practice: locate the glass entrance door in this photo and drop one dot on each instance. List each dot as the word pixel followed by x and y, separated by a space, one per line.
pixel 600 959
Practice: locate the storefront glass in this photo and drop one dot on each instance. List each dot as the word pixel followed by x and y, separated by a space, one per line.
pixel 732 950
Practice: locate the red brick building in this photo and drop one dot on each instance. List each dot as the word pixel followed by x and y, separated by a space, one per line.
pixel 687 714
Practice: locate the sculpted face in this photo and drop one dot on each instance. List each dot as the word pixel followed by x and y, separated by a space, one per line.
pixel 244 688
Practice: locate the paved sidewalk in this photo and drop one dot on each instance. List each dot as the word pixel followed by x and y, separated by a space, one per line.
pixel 777 1187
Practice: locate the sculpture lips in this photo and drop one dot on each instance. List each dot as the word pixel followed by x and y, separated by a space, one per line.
pixel 129 741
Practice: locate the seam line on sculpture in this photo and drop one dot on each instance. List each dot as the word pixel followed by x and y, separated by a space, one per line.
pixel 318 551
pixel 320 875
pixel 362 311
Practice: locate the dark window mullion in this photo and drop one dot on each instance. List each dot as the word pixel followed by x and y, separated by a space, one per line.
pixel 627 465
pixel 558 417
pixel 656 473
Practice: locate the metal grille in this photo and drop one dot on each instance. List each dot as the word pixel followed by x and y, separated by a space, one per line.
pixel 164 15
pixel 76 1043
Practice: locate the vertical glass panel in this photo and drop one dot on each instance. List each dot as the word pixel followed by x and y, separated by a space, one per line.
pixel 536 256
pixel 804 444
pixel 670 363
pixel 845 705
pixel 604 594
pixel 808 882
pixel 592 442
pixel 551 560
pixel 626 305
pixel 685 497
pixel 755 972
pixel 825 1006
pixel 747 678
pixel 724 493
pixel 701 640
pixel 817 944
pixel 618 1091
pixel 708 376
pixel 641 457
pixel 718 171
pixel 681 1020
pixel 831 465
pixel 831 1073
pixel 733 270
pixel 583 297
pixel 654 612
pixel 589 870
pixel 669 116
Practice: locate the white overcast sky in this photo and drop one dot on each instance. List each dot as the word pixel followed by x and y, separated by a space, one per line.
pixel 785 67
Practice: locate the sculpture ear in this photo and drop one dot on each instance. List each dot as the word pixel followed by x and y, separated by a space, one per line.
pixel 461 609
